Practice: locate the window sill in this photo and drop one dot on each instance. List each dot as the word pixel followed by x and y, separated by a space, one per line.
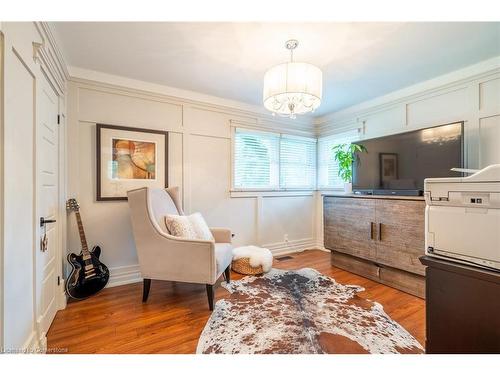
pixel 330 190
pixel 270 193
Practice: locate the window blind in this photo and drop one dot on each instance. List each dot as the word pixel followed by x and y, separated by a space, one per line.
pixel 297 162
pixel 256 160
pixel 273 161
pixel 328 169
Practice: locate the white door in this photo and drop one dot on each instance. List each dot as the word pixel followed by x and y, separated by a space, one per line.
pixel 48 254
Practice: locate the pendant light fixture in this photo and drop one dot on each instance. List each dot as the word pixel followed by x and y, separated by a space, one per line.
pixel 292 88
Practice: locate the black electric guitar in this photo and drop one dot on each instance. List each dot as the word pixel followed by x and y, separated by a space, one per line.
pixel 88 275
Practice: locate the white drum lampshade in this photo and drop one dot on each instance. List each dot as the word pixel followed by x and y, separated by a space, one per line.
pixel 292 88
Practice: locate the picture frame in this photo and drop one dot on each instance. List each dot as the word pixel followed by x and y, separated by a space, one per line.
pixel 129 158
pixel 388 168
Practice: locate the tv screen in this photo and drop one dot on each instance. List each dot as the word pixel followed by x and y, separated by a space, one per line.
pixel 402 161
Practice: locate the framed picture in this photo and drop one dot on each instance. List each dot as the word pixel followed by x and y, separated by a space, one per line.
pixel 388 168
pixel 129 158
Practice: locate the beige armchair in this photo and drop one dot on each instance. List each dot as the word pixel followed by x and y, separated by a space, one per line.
pixel 165 257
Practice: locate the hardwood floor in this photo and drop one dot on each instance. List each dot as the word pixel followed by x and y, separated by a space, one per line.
pixel 116 321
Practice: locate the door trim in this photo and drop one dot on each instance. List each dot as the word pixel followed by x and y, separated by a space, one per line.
pixel 59 298
pixel 2 53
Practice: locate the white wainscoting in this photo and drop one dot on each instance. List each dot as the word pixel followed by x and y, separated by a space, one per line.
pixel 471 95
pixel 132 274
pixel 199 163
pixel 124 275
pixel 30 57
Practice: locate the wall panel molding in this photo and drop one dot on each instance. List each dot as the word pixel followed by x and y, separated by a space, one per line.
pixel 135 87
pixel 469 95
pixel 485 70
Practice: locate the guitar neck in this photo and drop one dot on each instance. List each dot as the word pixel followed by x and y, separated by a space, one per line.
pixel 83 239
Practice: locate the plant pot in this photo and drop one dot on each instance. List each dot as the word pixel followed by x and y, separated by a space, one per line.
pixel 348 187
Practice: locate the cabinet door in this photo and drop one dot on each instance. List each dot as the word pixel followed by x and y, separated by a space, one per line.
pixel 401 234
pixel 349 225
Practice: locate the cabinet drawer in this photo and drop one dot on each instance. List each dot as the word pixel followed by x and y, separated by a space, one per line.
pixel 402 280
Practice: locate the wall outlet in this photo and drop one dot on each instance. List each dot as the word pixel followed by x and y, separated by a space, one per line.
pixel 285 237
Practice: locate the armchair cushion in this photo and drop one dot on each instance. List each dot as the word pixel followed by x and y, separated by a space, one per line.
pixel 223 256
pixel 180 226
pixel 200 227
pixel 192 227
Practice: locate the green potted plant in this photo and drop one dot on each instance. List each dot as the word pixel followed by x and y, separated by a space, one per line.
pixel 345 154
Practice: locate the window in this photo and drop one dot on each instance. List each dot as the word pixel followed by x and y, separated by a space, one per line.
pixel 256 160
pixel 297 162
pixel 271 161
pixel 328 169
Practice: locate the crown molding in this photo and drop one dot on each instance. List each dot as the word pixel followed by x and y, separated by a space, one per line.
pixel 50 57
pixel 185 97
pixel 448 81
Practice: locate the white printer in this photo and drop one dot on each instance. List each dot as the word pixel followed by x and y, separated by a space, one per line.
pixel 462 218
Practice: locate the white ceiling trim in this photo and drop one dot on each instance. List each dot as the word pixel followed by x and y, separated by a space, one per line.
pixel 472 72
pixel 182 95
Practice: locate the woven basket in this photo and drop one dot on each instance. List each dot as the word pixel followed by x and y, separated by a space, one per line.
pixel 243 266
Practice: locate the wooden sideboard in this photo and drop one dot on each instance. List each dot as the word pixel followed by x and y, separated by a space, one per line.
pixel 378 237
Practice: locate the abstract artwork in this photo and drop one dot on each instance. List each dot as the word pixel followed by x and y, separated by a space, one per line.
pixel 129 158
pixel 133 159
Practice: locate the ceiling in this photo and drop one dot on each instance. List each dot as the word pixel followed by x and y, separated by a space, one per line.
pixel 360 61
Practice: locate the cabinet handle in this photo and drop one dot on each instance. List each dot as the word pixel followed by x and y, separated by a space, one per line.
pixel 371 230
pixel 379 234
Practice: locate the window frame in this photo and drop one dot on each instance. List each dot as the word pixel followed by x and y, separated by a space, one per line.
pixel 248 191
pixel 340 134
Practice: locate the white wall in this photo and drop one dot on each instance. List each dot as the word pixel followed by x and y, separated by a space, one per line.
pixel 471 95
pixel 199 162
pixel 24 67
pixel 2 53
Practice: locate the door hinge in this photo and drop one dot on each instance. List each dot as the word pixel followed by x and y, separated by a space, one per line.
pixel 58 280
pixel 58 119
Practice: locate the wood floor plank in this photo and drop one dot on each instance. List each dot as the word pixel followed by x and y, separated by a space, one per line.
pixel 116 321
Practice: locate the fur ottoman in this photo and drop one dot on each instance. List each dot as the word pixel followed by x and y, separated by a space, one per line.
pixel 252 260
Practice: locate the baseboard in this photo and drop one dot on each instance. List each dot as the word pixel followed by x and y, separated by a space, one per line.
pixel 288 247
pixel 132 274
pixel 62 297
pixel 32 345
pixel 320 246
pixel 124 275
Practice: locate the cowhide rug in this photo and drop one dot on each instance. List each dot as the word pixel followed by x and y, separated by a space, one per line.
pixel 300 311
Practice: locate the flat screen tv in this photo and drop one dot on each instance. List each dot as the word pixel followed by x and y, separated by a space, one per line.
pixel 398 164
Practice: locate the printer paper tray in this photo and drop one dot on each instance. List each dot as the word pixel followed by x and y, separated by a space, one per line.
pixel 469 232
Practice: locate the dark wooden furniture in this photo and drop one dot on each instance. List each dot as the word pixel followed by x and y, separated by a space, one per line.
pixel 462 308
pixel 377 237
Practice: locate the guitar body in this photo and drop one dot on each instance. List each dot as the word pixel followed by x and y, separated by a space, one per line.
pixel 88 276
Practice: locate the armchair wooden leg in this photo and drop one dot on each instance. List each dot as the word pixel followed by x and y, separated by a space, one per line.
pixel 210 295
pixel 227 274
pixel 146 284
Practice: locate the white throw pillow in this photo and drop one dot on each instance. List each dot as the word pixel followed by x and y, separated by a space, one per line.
pixel 200 227
pixel 192 227
pixel 180 226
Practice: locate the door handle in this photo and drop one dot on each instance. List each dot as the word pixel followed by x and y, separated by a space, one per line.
pixel 371 230
pixel 43 221
pixel 379 233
